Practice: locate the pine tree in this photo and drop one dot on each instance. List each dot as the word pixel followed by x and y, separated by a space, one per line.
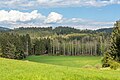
pixel 37 47
pixel 28 44
pixel 113 54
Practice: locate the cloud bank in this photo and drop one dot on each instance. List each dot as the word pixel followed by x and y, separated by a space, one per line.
pixel 14 16
pixel 25 4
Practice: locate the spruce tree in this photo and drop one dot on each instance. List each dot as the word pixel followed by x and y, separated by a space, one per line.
pixel 113 53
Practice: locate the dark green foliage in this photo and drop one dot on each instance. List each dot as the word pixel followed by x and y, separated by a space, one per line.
pixel 113 54
pixel 36 47
pixel 114 65
pixel 65 30
pixel 105 30
pixel 34 28
pixel 42 46
pixel 12 46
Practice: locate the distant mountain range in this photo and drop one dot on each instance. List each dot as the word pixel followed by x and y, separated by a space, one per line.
pixel 105 30
pixel 4 29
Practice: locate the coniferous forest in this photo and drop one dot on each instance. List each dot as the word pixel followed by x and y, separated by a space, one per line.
pixel 22 42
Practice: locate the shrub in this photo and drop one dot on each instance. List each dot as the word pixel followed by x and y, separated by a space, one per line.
pixel 98 66
pixel 114 65
pixel 88 66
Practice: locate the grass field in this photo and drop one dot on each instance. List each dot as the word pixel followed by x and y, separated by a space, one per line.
pixel 49 68
pixel 70 61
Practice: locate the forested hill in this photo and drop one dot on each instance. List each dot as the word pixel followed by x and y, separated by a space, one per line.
pixel 57 30
pixel 63 30
pixel 4 29
pixel 106 30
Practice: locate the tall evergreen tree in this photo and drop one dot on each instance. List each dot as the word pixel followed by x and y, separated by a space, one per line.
pixel 113 54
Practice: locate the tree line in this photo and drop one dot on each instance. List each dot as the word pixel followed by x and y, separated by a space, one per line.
pixel 15 46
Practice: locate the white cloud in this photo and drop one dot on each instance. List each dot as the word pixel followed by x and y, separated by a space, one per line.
pixel 76 3
pixel 32 4
pixel 13 19
pixel 53 17
pixel 85 23
pixel 14 15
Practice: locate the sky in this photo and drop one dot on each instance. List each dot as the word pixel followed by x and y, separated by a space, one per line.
pixel 80 14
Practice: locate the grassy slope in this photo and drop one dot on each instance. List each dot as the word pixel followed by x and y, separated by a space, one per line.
pixel 70 61
pixel 26 70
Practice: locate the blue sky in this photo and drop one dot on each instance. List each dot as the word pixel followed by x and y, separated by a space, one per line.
pixel 81 14
pixel 105 13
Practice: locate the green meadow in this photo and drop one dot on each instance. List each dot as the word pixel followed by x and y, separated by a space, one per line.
pixel 69 61
pixel 56 68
